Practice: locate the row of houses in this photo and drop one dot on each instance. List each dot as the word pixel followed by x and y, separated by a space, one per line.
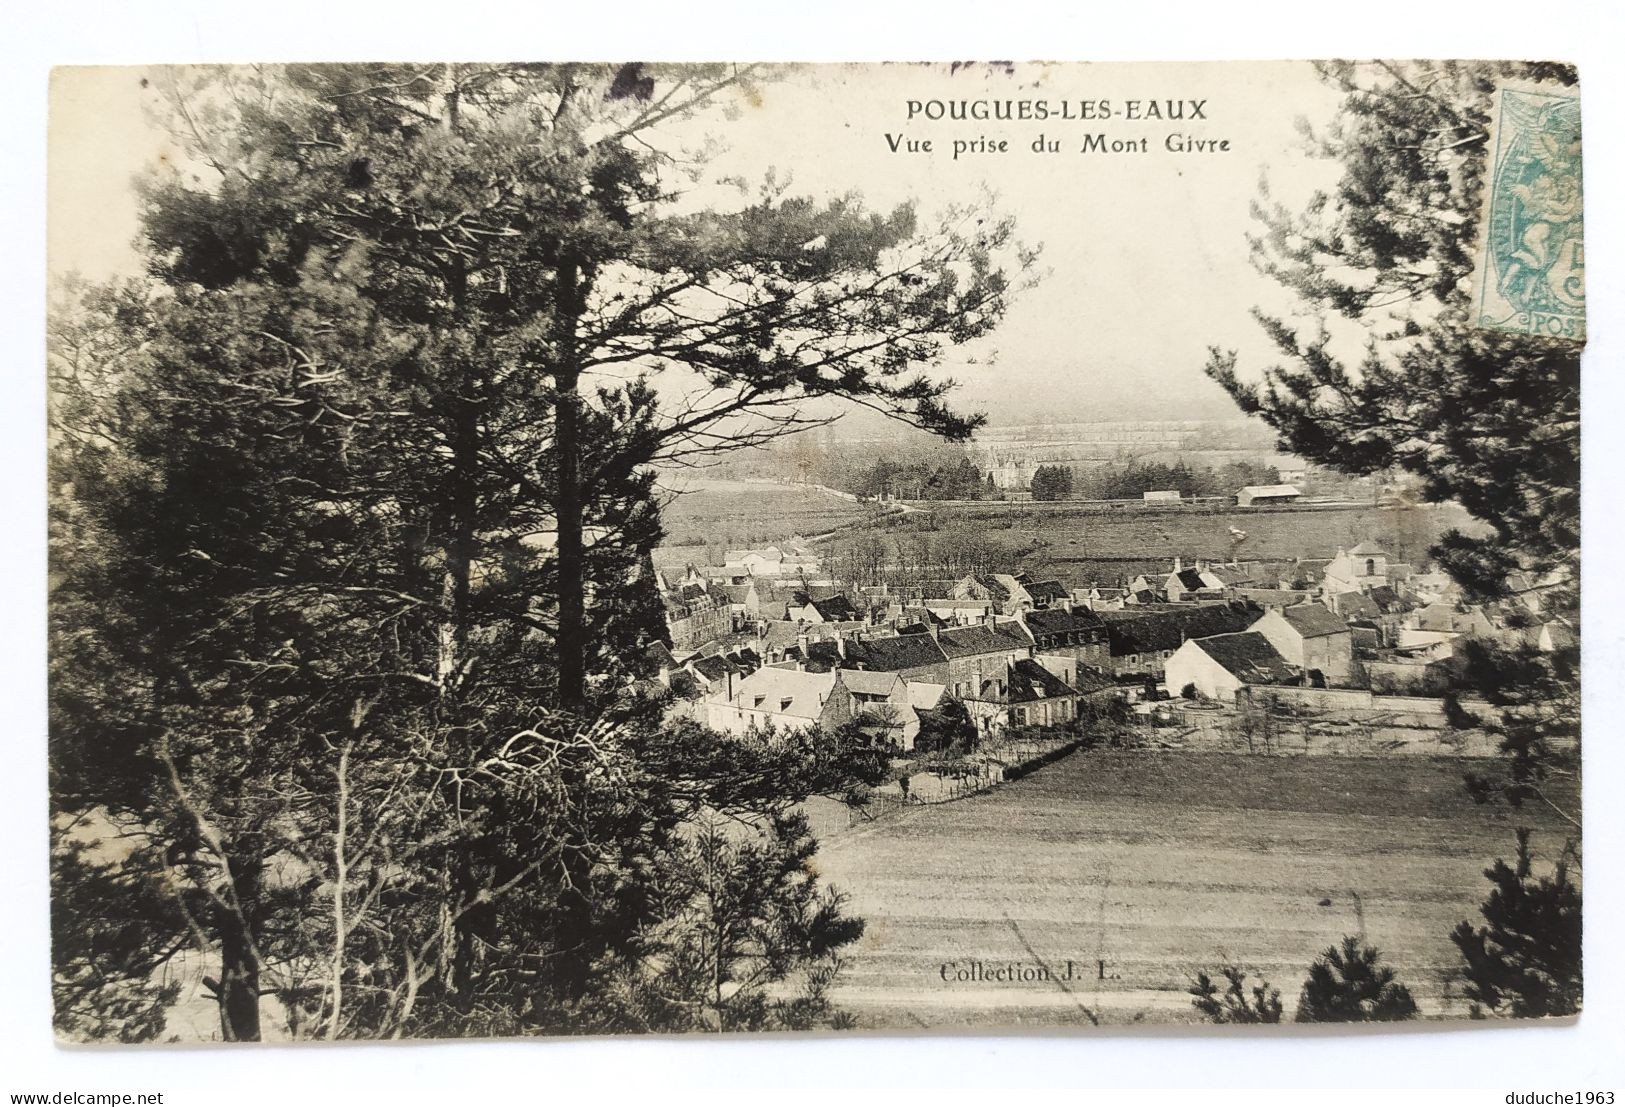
pixel 1032 669
pixel 702 606
pixel 1018 651
pixel 1368 622
pixel 1029 670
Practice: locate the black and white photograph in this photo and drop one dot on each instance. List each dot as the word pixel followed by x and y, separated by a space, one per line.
pixel 608 549
pixel 793 553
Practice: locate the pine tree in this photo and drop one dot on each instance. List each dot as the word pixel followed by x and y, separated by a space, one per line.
pixel 747 916
pixel 1236 1003
pixel 1488 419
pixel 1485 418
pixel 1051 482
pixel 1348 983
pixel 1525 962
pixel 351 514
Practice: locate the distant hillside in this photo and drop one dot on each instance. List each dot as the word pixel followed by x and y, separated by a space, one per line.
pixel 704 516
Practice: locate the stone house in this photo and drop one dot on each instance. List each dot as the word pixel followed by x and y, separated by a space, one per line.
pixel 977 654
pixel 695 616
pixel 914 657
pixel 1023 693
pixel 1313 638
pixel 882 703
pixel 788 700
pixel 1143 638
pixel 1077 633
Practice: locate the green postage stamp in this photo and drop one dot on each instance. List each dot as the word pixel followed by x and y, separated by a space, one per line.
pixel 1530 276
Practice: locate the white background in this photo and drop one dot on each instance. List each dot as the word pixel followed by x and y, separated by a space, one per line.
pixel 1578 1057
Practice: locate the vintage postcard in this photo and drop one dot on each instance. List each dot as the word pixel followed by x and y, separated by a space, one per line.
pixel 545 549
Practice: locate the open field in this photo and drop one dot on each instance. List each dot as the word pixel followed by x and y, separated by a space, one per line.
pixel 1160 864
pixel 706 517
pixel 722 514
pixel 1090 545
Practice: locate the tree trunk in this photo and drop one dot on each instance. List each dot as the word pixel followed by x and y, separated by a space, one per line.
pixel 239 990
pixel 575 934
pixel 465 491
pixel 571 643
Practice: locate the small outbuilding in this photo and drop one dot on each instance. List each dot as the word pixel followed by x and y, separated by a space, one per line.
pixel 1255 495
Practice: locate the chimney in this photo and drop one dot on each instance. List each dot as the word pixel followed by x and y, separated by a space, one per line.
pixel 932 628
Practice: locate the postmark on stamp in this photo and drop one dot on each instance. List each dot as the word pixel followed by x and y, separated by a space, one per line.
pixel 1530 274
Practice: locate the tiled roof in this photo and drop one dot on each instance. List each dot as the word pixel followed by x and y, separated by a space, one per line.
pixel 871 683
pixel 713 668
pixel 981 638
pixel 1191 580
pixel 1047 591
pixel 893 654
pixel 820 657
pixel 1313 620
pixel 786 692
pixel 1281 596
pixel 660 656
pixel 1030 680
pixel 994 589
pixel 1248 656
pixel 1056 621
pixel 836 609
pixel 779 633
pixel 1167 628
pixel 1386 598
pixel 1027 680
pixel 745 658
pixel 1357 605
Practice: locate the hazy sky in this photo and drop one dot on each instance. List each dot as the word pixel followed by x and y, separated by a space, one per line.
pixel 1145 252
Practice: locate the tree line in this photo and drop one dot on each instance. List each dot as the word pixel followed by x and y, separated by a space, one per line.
pixel 1488 419
pixel 351 511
